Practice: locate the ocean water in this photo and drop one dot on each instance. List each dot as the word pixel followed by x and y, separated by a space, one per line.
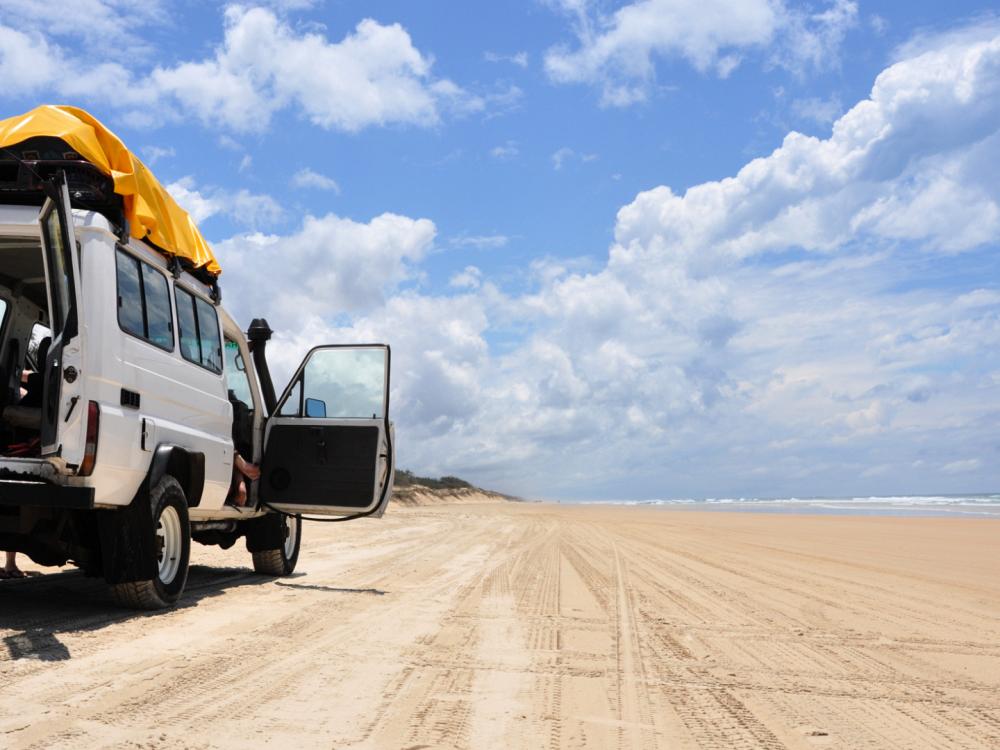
pixel 964 506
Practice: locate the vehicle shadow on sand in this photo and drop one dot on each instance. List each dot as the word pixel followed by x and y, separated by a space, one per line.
pixel 38 608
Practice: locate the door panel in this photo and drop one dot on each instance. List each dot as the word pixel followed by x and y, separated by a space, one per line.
pixel 324 465
pixel 326 448
pixel 62 273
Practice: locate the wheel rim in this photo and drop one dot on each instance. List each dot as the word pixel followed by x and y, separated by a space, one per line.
pixel 169 544
pixel 291 534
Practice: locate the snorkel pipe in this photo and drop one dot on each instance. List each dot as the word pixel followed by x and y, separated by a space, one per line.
pixel 258 335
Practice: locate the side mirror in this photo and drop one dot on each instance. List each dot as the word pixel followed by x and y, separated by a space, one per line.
pixel 315 408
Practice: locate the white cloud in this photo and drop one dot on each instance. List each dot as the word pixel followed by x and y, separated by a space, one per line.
pixel 618 52
pixel 822 111
pixel 27 62
pixel 373 76
pixel 111 24
pixel 153 154
pixel 928 120
pixel 564 155
pixel 480 241
pixel 507 150
pixel 961 467
pixel 307 179
pixel 520 59
pixel 242 206
pixel 561 156
pixel 331 264
pixel 469 278
pixel 765 333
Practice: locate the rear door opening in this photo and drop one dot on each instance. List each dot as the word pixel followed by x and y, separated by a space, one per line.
pixel 40 348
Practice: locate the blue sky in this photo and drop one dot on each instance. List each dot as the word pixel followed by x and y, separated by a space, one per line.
pixel 622 249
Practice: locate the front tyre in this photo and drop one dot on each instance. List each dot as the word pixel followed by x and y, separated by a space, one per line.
pixel 281 561
pixel 172 547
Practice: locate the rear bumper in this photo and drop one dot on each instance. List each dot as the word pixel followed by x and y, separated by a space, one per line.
pixel 40 494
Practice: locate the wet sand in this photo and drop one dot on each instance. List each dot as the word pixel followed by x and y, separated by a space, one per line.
pixel 533 626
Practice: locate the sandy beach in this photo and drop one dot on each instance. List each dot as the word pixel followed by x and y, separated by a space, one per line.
pixel 532 626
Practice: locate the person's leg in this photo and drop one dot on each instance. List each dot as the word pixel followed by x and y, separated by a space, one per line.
pixel 10 568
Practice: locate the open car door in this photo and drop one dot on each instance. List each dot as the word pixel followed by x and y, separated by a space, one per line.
pixel 61 422
pixel 328 446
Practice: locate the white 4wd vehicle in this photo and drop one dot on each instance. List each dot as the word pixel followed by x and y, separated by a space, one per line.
pixel 120 449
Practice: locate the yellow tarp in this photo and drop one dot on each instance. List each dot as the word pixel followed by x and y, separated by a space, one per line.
pixel 152 213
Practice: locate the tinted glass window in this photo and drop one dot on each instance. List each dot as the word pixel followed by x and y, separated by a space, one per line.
pixel 290 408
pixel 144 301
pixel 130 296
pixel 199 331
pixel 345 383
pixel 208 335
pixel 188 333
pixel 3 311
pixel 156 293
pixel 237 380
pixel 59 269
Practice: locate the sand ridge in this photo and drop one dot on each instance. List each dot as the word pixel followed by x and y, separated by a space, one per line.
pixel 533 626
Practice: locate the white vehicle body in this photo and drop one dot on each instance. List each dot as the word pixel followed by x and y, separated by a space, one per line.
pixel 162 381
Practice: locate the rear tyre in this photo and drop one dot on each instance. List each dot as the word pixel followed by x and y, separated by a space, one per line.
pixel 172 547
pixel 281 561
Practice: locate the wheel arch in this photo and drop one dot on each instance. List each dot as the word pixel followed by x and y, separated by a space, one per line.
pixel 187 467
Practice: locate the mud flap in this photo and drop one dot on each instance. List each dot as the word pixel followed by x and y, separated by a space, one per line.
pixel 127 539
pixel 264 533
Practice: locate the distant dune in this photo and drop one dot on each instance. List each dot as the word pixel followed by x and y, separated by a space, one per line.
pixel 413 490
pixel 416 495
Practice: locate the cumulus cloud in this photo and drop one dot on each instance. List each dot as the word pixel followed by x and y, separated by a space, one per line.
pixel 562 156
pixel 921 136
pixel 520 59
pixel 506 150
pixel 768 333
pixel 373 76
pixel 480 241
pixel 308 179
pixel 108 23
pixel 330 265
pixel 618 52
pixel 242 206
pixel 153 154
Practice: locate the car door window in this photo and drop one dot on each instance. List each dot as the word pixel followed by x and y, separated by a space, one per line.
pixel 199 331
pixel 208 335
pixel 237 380
pixel 130 296
pixel 144 301
pixel 156 298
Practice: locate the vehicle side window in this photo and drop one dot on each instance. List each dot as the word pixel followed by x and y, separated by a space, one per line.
pixel 208 335
pixel 186 322
pixel 199 331
pixel 156 294
pixel 144 302
pixel 292 404
pixel 3 312
pixel 130 296
pixel 238 387
pixel 237 380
